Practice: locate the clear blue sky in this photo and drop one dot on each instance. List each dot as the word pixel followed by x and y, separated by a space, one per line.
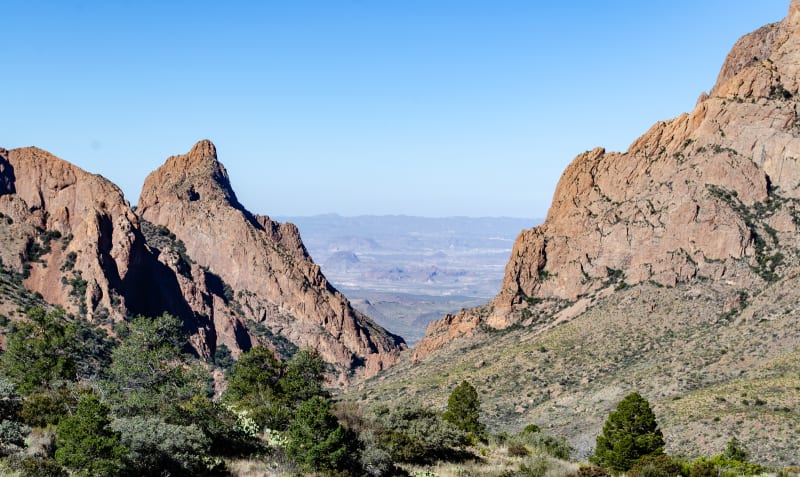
pixel 418 107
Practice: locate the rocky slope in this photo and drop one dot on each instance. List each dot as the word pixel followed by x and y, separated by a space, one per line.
pixel 261 266
pixel 69 238
pixel 709 195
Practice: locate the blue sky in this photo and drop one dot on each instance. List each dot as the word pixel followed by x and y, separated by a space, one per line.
pixel 417 107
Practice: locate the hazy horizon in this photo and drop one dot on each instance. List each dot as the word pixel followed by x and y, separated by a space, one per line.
pixel 431 109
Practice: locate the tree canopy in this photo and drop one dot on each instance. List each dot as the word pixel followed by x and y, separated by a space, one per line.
pixel 51 348
pixel 272 391
pixel 316 439
pixel 148 371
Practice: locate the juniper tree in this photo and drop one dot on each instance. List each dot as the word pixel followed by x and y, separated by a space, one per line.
pixel 630 433
pixel 464 409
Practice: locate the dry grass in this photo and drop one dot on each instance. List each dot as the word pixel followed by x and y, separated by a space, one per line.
pixel 496 462
pixel 261 468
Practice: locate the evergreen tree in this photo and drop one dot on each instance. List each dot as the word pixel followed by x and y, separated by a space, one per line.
pixel 255 374
pixel 148 372
pixel 304 377
pixel 272 391
pixel 316 439
pixel 629 433
pixel 253 386
pixel 86 444
pixel 50 348
pixel 463 410
pixel 40 351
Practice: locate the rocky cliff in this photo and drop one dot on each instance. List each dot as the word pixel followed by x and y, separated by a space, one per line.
pixel 710 195
pixel 233 277
pixel 261 266
pixel 70 234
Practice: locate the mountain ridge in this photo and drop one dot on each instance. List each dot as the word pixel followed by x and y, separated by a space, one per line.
pixel 77 243
pixel 670 208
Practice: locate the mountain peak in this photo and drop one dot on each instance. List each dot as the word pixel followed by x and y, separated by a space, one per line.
pixel 264 262
pixel 194 176
pixel 204 149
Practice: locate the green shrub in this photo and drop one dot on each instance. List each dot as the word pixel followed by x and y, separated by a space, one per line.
pixel 517 450
pixel 32 466
pixel 417 435
pixel 656 466
pixel 158 448
pixel 45 408
pixel 224 429
pixel 702 468
pixel 223 357
pixel 735 450
pixel 531 429
pixel 536 466
pixel 554 446
pixel 590 471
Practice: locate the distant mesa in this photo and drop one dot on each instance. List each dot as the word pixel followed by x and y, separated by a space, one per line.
pixel 351 243
pixel 342 262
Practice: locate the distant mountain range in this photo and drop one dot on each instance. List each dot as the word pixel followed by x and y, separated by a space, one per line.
pixel 405 271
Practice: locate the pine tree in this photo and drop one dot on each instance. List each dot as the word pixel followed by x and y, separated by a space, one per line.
pixel 630 433
pixel 463 410
pixel 85 442
pixel 316 439
pixel 40 350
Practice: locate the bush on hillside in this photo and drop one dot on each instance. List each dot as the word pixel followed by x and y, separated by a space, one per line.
pixel 418 435
pixel 657 466
pixel 590 471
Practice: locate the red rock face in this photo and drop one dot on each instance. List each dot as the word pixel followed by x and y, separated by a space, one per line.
pixel 241 280
pixel 99 241
pixel 670 208
pixel 264 263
